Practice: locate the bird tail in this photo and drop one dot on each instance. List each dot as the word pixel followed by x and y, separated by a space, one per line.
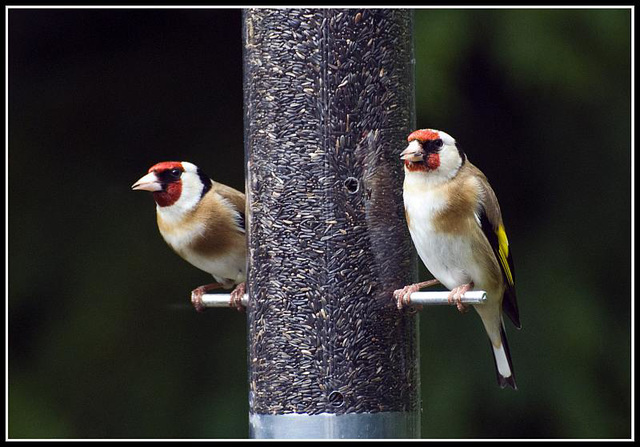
pixel 503 363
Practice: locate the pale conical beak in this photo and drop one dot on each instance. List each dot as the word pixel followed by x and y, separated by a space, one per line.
pixel 147 183
pixel 413 152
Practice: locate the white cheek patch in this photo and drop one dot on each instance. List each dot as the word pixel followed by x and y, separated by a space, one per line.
pixel 450 160
pixel 189 198
pixel 191 189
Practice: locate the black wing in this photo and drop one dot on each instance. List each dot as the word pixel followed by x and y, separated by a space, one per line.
pixel 497 238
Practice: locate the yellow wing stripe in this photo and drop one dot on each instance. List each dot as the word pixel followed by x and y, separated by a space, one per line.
pixel 503 251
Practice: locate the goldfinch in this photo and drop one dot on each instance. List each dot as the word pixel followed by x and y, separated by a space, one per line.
pixel 456 226
pixel 202 221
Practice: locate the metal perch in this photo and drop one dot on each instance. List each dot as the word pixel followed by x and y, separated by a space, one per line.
pixel 420 298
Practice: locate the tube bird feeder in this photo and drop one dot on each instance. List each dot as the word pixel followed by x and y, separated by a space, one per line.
pixel 329 102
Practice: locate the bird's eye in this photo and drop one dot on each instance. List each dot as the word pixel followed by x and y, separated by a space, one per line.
pixel 175 172
pixel 438 142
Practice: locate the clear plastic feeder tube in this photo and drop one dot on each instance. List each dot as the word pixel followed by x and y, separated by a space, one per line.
pixel 329 102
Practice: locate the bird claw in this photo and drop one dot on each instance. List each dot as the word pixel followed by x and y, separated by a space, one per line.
pixel 196 298
pixel 198 292
pixel 398 296
pixel 236 297
pixel 403 296
pixel 456 296
pixel 462 308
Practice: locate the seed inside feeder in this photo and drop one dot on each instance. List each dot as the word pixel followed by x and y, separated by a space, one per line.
pixel 328 97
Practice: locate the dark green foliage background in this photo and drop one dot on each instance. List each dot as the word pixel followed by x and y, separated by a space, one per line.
pixel 103 342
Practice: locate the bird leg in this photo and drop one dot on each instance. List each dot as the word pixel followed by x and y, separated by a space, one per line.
pixel 456 295
pixel 403 296
pixel 196 295
pixel 236 297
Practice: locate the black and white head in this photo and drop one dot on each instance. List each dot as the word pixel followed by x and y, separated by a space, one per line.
pixel 177 186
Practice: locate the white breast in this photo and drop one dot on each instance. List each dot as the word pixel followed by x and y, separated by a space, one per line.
pixel 449 257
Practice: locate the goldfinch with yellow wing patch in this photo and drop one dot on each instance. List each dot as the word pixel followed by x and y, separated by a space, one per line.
pixel 202 221
pixel 456 226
